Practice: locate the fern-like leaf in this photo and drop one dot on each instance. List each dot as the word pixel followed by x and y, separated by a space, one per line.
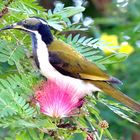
pixel 11 54
pixel 11 101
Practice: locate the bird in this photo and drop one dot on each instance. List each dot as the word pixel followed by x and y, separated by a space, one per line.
pixel 57 59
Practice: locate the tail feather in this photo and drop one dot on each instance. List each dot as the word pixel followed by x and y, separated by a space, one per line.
pixel 114 80
pixel 118 95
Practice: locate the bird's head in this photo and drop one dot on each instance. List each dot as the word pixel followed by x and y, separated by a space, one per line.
pixel 33 25
pixel 30 25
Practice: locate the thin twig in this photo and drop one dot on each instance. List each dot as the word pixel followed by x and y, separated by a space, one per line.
pixel 5 10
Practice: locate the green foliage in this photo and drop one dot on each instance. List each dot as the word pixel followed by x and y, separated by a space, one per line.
pixel 114 58
pixel 11 101
pixel 63 13
pixel 117 108
pixel 59 17
pixel 87 46
pixel 11 54
pixel 18 77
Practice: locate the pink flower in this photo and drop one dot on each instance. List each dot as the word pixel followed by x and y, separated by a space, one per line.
pixel 58 99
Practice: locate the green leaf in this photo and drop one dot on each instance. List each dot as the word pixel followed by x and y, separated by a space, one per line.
pixel 68 12
pixel 11 54
pixel 114 58
pixel 118 109
pixel 75 39
pixel 55 24
pixel 11 103
pixel 69 38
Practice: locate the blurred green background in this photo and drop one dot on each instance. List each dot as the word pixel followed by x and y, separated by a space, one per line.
pixel 120 18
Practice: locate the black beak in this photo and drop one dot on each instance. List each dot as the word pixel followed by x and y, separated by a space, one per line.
pixel 7 27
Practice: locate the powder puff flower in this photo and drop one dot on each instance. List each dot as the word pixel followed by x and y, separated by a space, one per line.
pixel 58 99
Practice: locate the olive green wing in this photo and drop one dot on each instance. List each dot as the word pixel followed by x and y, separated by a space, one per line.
pixel 74 63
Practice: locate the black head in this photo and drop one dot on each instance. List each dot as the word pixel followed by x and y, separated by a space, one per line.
pixel 33 25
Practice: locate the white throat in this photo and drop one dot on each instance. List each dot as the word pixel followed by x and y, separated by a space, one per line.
pixel 43 58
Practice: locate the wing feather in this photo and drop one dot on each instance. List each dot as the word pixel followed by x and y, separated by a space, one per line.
pixel 76 63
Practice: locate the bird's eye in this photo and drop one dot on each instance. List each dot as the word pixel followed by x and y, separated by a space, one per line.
pixel 25 22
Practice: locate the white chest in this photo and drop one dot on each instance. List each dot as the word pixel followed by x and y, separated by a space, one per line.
pixel 43 57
